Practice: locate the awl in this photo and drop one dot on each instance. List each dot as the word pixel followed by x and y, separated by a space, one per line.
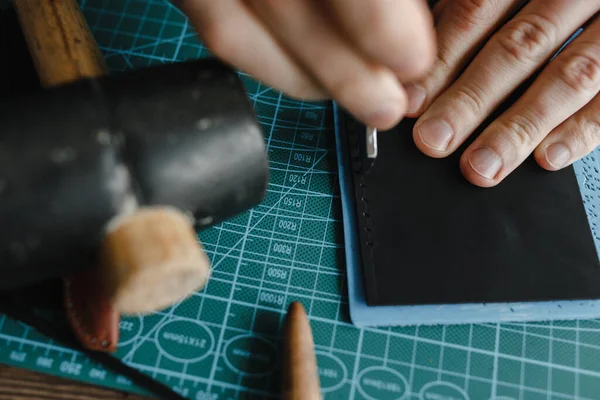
pixel 367 147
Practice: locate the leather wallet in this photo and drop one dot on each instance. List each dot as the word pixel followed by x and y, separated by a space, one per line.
pixel 428 236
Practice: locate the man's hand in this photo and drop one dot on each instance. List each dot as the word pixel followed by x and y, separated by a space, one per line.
pixel 558 117
pixel 355 51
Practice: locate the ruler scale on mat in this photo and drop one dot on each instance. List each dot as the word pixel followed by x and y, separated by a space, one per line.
pixel 223 343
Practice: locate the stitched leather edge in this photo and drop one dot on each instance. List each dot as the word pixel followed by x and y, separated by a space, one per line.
pixel 362 211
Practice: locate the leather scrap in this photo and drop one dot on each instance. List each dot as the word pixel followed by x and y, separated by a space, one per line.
pixel 92 317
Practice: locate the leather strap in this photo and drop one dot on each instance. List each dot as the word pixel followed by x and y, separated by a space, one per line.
pixel 93 319
pixel 63 335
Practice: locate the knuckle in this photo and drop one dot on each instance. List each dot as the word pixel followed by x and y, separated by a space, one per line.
pixel 587 130
pixel 447 62
pixel 470 13
pixel 581 71
pixel 443 62
pixel 521 130
pixel 527 39
pixel 594 127
pixel 471 98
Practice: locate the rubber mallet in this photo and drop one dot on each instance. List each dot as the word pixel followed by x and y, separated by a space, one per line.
pixel 119 171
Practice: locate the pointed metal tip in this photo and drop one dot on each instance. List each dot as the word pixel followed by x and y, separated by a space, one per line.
pixel 371 142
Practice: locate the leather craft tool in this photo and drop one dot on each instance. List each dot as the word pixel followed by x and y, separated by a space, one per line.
pixel 300 372
pixel 365 144
pixel 368 146
pixel 300 375
pixel 104 179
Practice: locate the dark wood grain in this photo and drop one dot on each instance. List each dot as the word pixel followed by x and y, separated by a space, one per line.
pixel 21 384
pixel 60 41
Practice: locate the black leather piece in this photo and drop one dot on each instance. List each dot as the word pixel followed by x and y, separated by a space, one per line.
pixel 429 237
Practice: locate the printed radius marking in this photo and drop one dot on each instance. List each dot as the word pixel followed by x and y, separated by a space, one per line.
pixel 249 337
pixel 205 352
pixel 381 368
pixel 133 337
pixel 441 384
pixel 343 368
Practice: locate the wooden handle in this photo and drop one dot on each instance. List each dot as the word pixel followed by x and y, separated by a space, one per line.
pixel 60 42
pixel 154 257
pixel 300 374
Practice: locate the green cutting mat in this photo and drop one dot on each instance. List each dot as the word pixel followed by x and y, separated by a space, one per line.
pixel 222 343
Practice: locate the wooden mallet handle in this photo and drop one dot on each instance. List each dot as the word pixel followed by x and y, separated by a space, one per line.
pixel 61 44
pixel 152 257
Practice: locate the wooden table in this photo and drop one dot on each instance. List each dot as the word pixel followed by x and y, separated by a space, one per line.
pixel 21 384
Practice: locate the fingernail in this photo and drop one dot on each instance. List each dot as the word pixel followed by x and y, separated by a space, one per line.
pixel 435 133
pixel 557 155
pixel 416 97
pixel 485 162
